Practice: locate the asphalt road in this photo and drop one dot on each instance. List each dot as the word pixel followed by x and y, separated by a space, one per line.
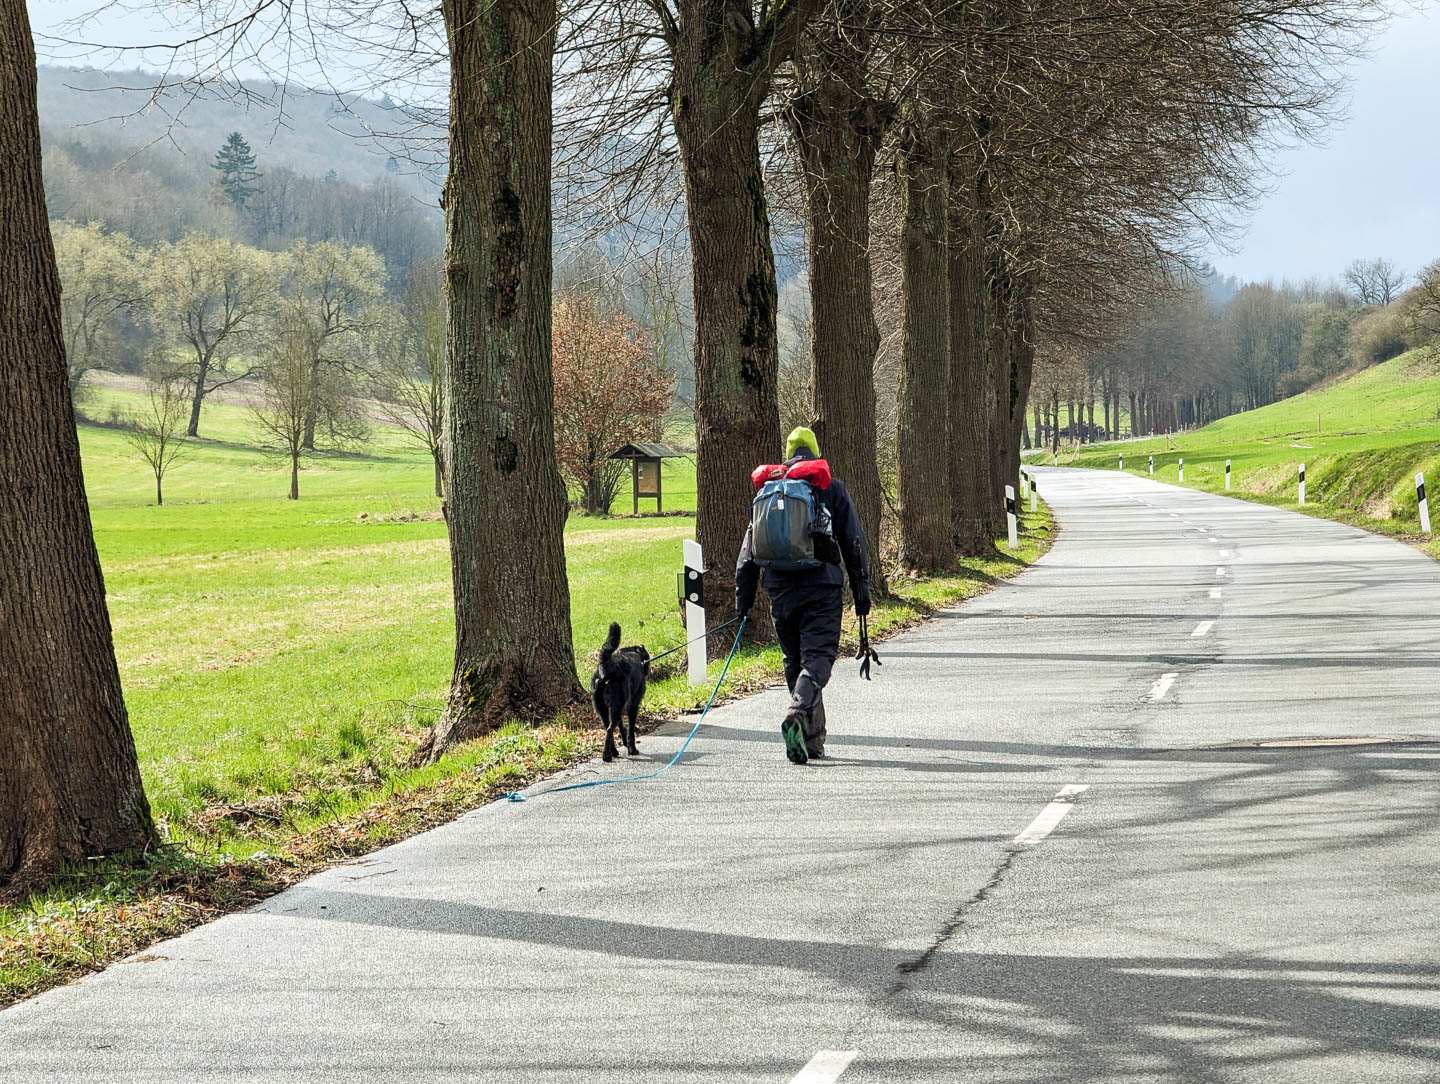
pixel 1048 847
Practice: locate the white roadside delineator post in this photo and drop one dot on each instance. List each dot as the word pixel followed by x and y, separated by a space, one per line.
pixel 1424 503
pixel 1152 464
pixel 1010 516
pixel 695 609
pixel 1227 476
pixel 1034 489
pixel 1122 460
pixel 1302 485
pixel 1182 468
pixel 1024 485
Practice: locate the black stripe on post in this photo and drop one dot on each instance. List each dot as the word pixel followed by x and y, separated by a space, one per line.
pixel 1420 491
pixel 1010 505
pixel 1302 474
pixel 694 586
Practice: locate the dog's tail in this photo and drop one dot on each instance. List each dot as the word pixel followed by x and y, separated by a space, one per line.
pixel 608 649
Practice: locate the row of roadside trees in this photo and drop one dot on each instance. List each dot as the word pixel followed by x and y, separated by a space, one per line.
pixel 1033 166
pixel 1185 358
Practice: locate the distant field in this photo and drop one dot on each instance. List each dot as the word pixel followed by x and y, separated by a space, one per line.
pixel 1362 440
pixel 269 645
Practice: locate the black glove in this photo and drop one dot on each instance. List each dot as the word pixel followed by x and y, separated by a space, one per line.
pixel 862 600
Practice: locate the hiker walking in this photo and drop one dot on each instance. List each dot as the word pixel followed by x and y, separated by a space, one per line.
pixel 803 527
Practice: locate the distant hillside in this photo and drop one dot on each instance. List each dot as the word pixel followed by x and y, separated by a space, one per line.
pixel 315 134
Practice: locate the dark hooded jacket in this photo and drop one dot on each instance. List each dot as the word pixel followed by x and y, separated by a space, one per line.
pixel 849 537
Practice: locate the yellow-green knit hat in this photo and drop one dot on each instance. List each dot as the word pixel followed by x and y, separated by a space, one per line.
pixel 800 437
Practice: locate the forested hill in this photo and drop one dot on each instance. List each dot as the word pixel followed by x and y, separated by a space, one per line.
pixel 316 134
pixel 145 170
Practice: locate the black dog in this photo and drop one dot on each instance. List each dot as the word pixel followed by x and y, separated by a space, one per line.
pixel 618 687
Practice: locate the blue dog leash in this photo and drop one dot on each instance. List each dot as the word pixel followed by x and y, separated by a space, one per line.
pixel 516 796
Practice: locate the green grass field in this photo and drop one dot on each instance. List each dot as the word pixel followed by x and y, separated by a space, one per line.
pixel 281 659
pixel 1362 440
pixel 273 647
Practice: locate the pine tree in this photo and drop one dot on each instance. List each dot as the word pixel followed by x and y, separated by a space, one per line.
pixel 237 169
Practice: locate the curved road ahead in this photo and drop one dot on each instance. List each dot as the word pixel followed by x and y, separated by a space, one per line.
pixel 1050 846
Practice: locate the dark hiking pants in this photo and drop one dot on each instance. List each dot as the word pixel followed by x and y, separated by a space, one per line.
pixel 807 624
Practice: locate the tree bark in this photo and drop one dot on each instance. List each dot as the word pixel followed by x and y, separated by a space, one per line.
pixel 838 129
pixel 294 477
pixel 722 65
pixel 974 511
pixel 159 496
pixel 202 371
pixel 1023 371
pixel 70 785
pixel 924 423
pixel 506 503
pixel 439 476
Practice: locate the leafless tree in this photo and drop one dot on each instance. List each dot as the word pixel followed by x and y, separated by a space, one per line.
pixel 156 430
pixel 1375 282
pixel 506 500
pixel 409 363
pixel 289 393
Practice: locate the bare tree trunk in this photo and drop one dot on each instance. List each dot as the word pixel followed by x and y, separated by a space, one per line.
pixel 716 96
pixel 924 426
pixel 506 505
pixel 998 346
pixel 972 510
pixel 1022 370
pixel 201 372
pixel 838 129
pixel 294 476
pixel 159 496
pixel 308 440
pixel 70 785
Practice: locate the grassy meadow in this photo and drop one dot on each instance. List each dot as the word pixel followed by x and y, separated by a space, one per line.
pixel 1362 439
pixel 281 659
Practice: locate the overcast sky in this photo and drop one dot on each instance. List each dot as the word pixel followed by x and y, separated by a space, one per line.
pixel 1373 189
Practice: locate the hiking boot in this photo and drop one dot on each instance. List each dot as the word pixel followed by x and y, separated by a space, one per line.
pixel 793 731
pixel 815 730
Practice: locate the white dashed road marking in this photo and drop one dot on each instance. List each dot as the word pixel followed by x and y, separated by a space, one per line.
pixel 1214 592
pixel 1224 553
pixel 1051 815
pixel 1219 572
pixel 1202 628
pixel 825 1067
pixel 1161 687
